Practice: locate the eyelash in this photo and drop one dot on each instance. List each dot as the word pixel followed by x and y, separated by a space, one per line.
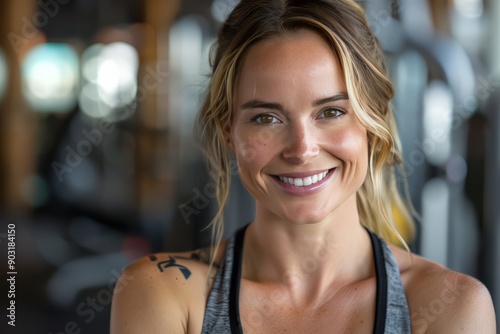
pixel 258 119
pixel 340 112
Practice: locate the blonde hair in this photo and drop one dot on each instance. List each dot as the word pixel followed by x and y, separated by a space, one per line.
pixel 342 23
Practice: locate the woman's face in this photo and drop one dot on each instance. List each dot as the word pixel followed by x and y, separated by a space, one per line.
pixel 300 148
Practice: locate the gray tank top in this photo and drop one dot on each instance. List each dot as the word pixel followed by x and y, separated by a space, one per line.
pixel 222 311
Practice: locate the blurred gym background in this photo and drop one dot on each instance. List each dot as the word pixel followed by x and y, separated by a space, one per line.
pixel 98 166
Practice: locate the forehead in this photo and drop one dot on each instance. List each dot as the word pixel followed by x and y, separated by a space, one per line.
pixel 301 65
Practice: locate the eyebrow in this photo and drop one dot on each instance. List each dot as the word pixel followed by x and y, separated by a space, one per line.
pixel 258 104
pixel 338 97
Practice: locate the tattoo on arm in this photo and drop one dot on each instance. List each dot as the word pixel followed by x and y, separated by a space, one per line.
pixel 171 263
pixel 203 255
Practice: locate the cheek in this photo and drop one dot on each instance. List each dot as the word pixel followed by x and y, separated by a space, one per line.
pixel 253 147
pixel 351 144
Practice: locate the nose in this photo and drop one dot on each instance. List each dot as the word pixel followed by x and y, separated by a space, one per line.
pixel 302 144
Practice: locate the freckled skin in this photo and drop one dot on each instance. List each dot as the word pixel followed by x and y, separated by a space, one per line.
pixel 294 72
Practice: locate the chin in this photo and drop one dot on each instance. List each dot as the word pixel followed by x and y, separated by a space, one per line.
pixel 310 212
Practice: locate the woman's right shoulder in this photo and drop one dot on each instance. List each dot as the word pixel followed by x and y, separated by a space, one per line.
pixel 164 292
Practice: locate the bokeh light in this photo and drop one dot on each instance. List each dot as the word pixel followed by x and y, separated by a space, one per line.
pixel 110 78
pixel 50 77
pixel 469 8
pixel 438 118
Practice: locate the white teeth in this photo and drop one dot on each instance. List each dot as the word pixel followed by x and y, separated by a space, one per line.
pixel 299 182
pixel 307 181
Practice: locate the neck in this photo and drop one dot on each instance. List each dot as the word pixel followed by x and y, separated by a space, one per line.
pixel 307 259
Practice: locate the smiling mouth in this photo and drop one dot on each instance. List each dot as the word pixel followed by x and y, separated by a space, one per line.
pixel 306 181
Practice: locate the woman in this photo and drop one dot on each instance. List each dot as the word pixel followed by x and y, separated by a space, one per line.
pixel 300 96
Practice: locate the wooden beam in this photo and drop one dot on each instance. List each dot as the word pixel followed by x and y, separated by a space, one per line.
pixel 17 123
pixel 156 181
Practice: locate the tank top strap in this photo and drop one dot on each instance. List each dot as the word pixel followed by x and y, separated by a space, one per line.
pixel 234 293
pixel 381 294
pixel 398 314
pixel 392 315
pixel 216 317
pixel 222 314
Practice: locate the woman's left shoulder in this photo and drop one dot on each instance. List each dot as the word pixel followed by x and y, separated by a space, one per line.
pixel 442 300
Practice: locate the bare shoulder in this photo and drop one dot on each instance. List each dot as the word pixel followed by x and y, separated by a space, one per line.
pixel 162 293
pixel 443 300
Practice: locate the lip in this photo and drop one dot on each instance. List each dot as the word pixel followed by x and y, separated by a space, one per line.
pixel 307 190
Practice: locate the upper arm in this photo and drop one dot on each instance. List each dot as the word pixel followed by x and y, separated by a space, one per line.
pixel 147 300
pixel 466 307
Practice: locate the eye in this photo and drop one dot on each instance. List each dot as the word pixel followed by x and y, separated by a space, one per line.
pixel 332 113
pixel 265 119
